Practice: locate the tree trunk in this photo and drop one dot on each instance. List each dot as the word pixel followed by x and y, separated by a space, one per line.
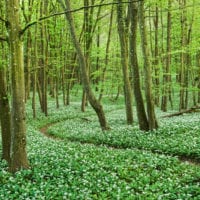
pixel 167 77
pixel 34 75
pixel 124 63
pixel 28 66
pixel 5 116
pixel 43 61
pixel 107 55
pixel 183 56
pixel 83 68
pixel 18 130
pixel 147 69
pixel 156 61
pixel 141 114
pixel 197 79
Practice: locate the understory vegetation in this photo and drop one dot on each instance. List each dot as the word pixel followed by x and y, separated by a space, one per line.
pixel 82 162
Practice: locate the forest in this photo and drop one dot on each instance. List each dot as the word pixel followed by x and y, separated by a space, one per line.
pixel 99 99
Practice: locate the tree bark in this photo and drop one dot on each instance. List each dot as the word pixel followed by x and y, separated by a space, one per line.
pixel 156 60
pixel 147 69
pixel 18 129
pixel 107 55
pixel 5 116
pixel 141 114
pixel 183 56
pixel 124 62
pixel 167 77
pixel 43 61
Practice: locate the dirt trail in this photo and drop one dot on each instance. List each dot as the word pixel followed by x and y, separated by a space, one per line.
pixel 44 131
pixel 183 159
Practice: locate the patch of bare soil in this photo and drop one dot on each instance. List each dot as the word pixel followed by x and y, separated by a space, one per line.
pixel 44 131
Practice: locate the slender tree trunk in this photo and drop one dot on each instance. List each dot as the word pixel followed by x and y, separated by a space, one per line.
pixel 5 116
pixel 107 55
pixel 57 88
pixel 18 129
pixel 27 57
pixel 156 60
pixel 167 77
pixel 63 80
pixel 141 114
pixel 43 61
pixel 83 68
pixel 97 78
pixel 197 79
pixel 147 69
pixel 188 70
pixel 35 65
pixel 183 56
pixel 34 76
pixel 124 62
pixel 28 66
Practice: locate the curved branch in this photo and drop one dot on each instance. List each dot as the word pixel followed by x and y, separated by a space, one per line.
pixel 70 11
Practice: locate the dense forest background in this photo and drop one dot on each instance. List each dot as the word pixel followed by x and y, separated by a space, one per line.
pixel 144 52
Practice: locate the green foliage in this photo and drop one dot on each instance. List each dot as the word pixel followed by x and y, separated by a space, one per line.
pixel 123 163
pixel 74 171
pixel 172 138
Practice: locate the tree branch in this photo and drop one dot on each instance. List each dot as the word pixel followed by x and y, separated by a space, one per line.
pixel 71 11
pixel 190 110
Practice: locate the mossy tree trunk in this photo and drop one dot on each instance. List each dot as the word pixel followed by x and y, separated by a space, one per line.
pixel 18 129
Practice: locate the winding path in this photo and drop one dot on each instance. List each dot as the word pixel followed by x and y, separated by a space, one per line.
pixel 183 159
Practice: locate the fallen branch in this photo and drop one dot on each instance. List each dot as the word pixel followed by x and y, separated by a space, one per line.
pixel 190 110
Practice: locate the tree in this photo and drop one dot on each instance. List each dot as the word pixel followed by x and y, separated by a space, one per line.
pixel 124 61
pixel 147 69
pixel 106 55
pixel 43 61
pixel 5 119
pixel 83 68
pixel 166 75
pixel 5 114
pixel 141 114
pixel 18 129
pixel 27 57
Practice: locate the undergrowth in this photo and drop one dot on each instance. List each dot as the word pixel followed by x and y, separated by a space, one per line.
pixel 123 163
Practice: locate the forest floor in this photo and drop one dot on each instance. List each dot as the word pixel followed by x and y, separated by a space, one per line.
pixel 71 158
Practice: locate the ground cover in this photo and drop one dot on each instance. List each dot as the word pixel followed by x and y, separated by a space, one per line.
pixel 123 163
